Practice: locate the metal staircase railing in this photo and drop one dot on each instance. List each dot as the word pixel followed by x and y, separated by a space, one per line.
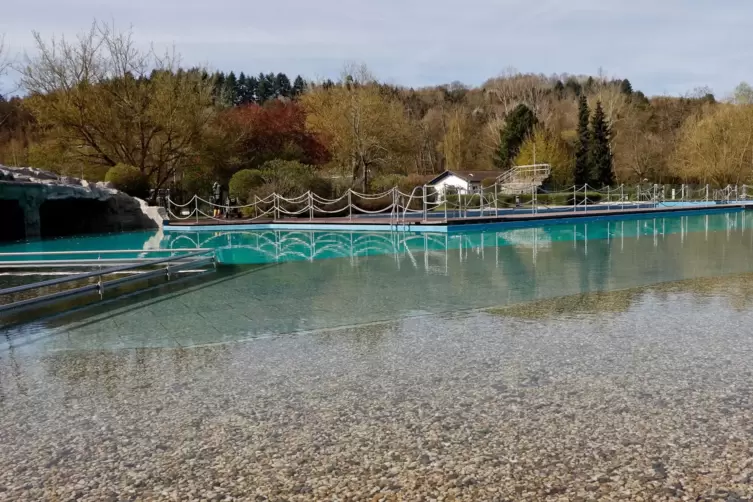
pixel 522 179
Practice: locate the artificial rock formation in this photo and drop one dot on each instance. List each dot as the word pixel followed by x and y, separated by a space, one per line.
pixel 36 203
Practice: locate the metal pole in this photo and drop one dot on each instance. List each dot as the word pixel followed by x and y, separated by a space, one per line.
pixel 622 196
pixel 423 191
pixel 585 197
pixel 575 196
pixel 707 193
pixel 350 204
pixel 276 205
pixel 496 211
pixel 196 207
pixel 311 205
pixel 446 201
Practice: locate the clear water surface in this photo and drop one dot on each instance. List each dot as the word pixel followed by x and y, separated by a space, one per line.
pixel 284 282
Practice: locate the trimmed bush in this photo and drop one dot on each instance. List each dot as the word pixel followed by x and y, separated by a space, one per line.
pixel 244 183
pixel 128 179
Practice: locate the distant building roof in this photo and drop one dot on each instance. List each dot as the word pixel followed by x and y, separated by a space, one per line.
pixel 466 176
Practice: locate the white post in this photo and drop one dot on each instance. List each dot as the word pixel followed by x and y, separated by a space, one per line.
pixel 196 207
pixel 673 194
pixel 585 197
pixel 276 205
pixel 707 193
pixel 350 204
pixel 311 205
pixel 423 190
pixel 446 201
pixel 496 210
pixel 575 196
pixel 622 196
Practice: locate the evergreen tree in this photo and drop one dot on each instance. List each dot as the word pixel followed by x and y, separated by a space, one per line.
pixel 282 86
pixel 582 171
pixel 626 87
pixel 559 88
pixel 518 126
pixel 230 90
pixel 219 84
pixel 299 85
pixel 242 89
pixel 572 85
pixel 600 151
pixel 265 90
pixel 252 85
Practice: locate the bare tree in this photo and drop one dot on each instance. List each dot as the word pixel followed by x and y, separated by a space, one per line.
pixel 5 65
pixel 109 102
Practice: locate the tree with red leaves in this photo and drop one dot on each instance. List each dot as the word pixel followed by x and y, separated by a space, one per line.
pixel 276 130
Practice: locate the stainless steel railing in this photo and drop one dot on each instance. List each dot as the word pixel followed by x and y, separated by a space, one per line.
pixel 89 258
pixel 171 264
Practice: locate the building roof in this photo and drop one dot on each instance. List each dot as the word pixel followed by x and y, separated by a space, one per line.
pixel 466 176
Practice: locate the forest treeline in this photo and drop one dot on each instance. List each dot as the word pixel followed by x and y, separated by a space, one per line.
pixel 100 105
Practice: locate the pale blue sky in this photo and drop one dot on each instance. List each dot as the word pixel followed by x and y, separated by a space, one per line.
pixel 662 46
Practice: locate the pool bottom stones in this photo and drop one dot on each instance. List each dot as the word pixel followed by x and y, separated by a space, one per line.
pixel 651 400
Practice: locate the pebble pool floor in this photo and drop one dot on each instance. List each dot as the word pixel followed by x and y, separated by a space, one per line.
pixel 546 369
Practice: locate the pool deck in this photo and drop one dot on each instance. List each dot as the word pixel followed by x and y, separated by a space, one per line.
pixel 416 223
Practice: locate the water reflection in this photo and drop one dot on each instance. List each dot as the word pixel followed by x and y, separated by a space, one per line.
pixel 277 246
pixel 372 278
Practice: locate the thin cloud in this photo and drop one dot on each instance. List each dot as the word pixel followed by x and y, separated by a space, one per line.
pixel 668 46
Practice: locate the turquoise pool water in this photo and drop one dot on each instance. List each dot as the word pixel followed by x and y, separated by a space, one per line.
pixel 240 247
pixel 290 282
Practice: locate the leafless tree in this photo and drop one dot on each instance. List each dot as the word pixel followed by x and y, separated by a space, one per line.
pixel 5 65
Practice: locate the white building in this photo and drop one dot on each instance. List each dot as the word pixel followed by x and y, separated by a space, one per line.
pixel 460 182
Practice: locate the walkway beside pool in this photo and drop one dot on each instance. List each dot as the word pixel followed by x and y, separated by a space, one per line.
pixel 415 222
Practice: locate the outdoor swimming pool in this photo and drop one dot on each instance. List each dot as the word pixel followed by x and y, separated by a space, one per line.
pixel 594 361
pixel 277 282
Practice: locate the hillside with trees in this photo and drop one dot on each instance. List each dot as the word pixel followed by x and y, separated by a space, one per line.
pixel 99 102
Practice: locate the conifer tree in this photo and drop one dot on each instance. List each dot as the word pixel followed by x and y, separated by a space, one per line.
pixel 283 89
pixel 600 151
pixel 518 127
pixel 252 84
pixel 582 171
pixel 299 85
pixel 230 90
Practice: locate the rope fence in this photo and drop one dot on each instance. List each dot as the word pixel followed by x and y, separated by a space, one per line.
pixel 443 203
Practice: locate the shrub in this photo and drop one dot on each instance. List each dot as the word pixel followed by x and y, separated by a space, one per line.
pixel 385 182
pixel 197 181
pixel 128 179
pixel 244 183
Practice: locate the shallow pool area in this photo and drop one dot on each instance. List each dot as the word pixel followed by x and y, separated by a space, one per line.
pixel 597 361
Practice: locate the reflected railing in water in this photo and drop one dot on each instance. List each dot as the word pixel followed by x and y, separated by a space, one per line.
pixel 278 246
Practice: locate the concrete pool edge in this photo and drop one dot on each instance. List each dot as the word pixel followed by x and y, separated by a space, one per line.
pixel 465 224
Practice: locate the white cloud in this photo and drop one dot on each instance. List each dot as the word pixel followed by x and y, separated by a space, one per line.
pixel 663 46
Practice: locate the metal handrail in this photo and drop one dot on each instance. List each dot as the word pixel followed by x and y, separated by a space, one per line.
pixel 98 273
pixel 108 251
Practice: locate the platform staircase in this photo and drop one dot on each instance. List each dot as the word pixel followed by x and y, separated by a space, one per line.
pixel 523 179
